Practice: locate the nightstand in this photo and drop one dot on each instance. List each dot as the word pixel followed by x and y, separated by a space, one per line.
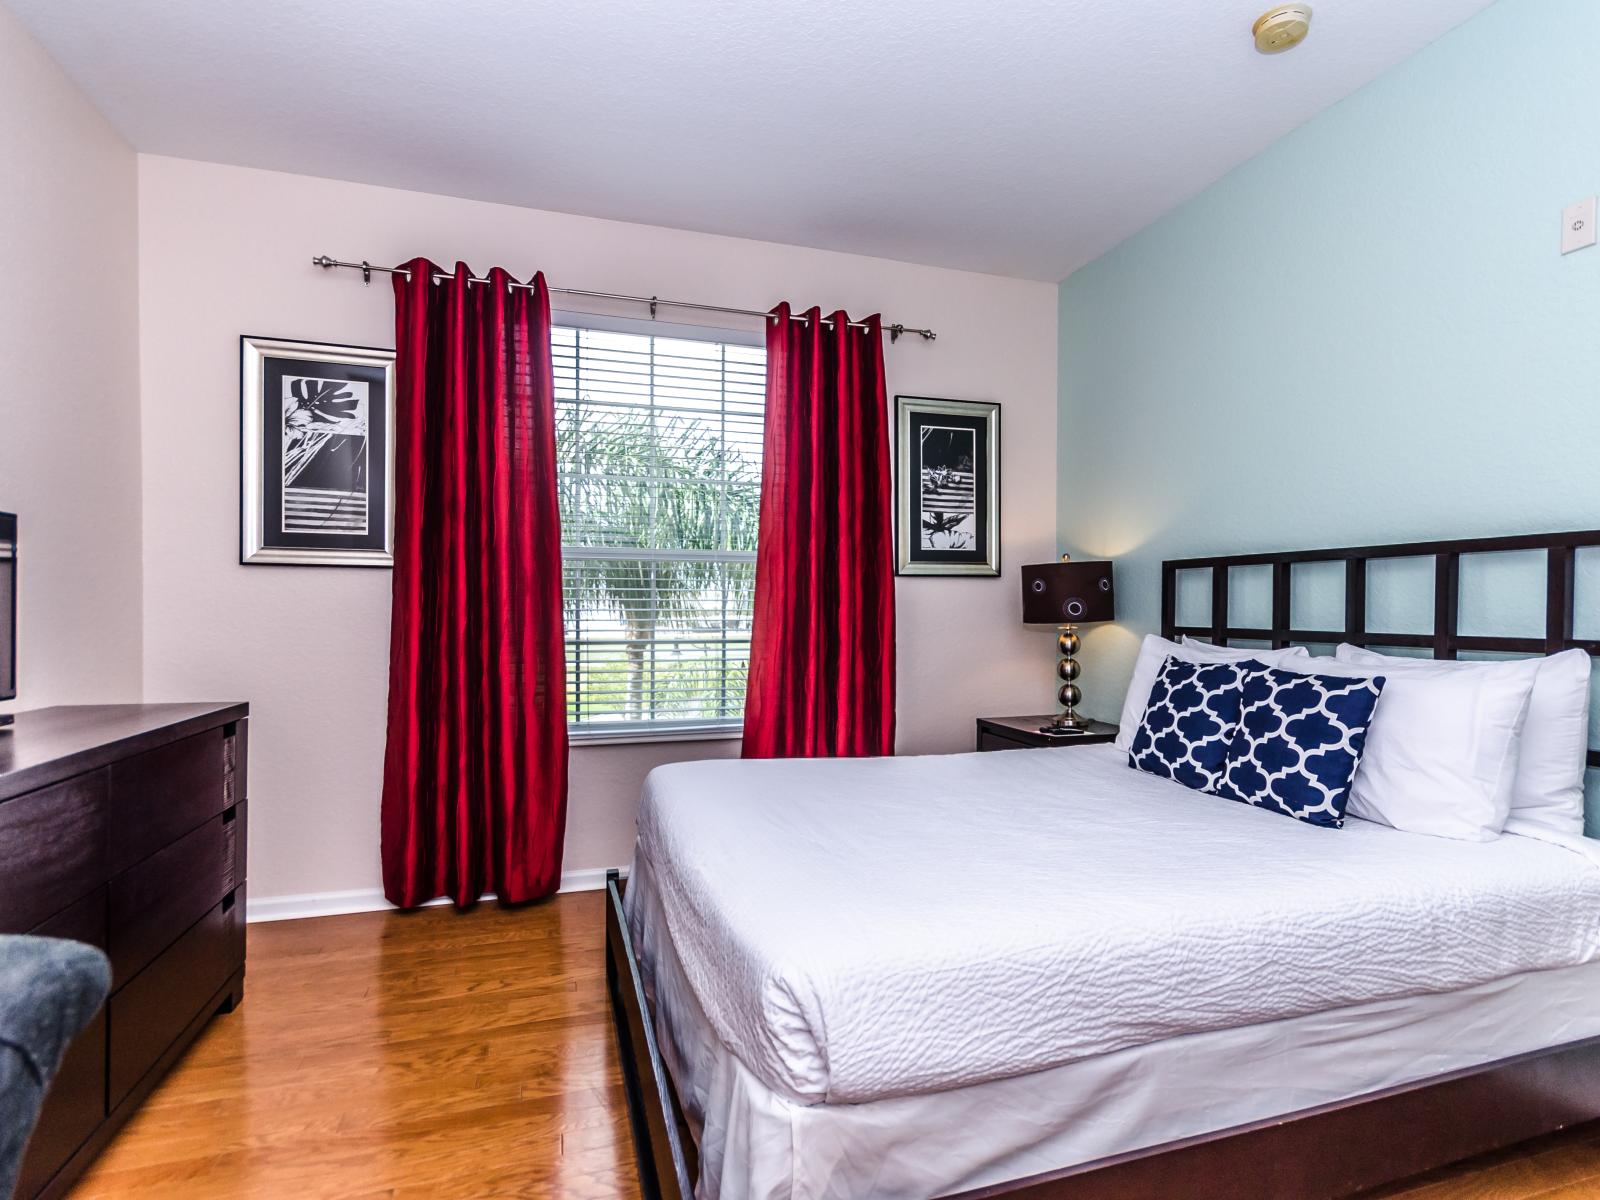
pixel 1022 733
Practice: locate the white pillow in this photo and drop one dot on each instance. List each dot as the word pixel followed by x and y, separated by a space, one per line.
pixel 1548 790
pixel 1441 752
pixel 1156 650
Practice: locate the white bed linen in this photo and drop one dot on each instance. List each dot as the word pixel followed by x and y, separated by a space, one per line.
pixel 857 930
pixel 756 1145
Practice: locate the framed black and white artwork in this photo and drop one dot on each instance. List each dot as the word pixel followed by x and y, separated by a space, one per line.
pixel 317 453
pixel 947 473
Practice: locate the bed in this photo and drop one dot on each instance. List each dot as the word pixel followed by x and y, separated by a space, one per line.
pixel 1041 973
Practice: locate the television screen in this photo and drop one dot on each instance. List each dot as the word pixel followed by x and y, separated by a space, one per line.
pixel 8 606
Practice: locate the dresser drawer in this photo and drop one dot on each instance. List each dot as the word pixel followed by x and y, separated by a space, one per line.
pixel 76 1102
pixel 73 1109
pixel 52 850
pixel 84 921
pixel 155 1006
pixel 993 741
pixel 153 903
pixel 159 796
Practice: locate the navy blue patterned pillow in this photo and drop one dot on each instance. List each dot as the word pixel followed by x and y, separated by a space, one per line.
pixel 1299 742
pixel 1189 722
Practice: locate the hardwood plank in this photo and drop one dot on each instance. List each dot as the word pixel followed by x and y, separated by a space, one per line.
pixel 1519 1173
pixel 437 1056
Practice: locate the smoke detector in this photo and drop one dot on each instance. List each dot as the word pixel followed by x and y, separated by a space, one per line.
pixel 1282 28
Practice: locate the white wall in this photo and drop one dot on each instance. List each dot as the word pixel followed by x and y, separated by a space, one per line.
pixel 226 251
pixel 69 386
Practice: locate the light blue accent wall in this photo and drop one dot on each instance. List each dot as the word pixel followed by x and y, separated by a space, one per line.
pixel 1365 334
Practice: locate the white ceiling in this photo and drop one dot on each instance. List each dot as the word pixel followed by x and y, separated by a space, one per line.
pixel 1022 137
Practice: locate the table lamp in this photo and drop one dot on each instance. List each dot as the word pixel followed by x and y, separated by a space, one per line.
pixel 1067 594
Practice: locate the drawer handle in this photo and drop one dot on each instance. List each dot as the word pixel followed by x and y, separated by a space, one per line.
pixel 227 901
pixel 229 815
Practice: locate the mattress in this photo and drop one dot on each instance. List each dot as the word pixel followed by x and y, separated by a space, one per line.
pixel 756 1145
pixel 860 930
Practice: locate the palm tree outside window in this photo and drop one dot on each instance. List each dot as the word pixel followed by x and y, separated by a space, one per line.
pixel 659 447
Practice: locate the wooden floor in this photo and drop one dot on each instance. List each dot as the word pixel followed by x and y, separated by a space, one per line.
pixel 443 1057
pixel 1564 1166
pixel 430 1056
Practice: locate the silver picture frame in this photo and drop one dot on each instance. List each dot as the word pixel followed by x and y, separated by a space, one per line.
pixel 338 425
pixel 947 487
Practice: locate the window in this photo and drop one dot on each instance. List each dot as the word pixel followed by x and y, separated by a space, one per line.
pixel 659 447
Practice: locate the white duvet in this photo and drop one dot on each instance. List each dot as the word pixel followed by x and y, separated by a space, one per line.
pixel 858 929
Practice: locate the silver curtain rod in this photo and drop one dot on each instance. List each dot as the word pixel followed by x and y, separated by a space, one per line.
pixel 366 269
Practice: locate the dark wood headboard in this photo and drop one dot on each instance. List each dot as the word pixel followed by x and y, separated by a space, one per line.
pixel 1444 641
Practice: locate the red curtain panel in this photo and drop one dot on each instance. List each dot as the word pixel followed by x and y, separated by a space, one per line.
pixel 475 772
pixel 822 649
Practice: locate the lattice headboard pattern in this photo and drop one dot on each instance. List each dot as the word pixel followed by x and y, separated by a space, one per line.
pixel 1443 641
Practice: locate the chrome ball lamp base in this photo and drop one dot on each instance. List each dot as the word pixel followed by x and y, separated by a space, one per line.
pixel 1071 695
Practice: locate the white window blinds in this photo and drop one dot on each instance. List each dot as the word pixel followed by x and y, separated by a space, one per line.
pixel 659 448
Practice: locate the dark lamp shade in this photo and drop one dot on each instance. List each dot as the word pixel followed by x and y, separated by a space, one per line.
pixel 1069 593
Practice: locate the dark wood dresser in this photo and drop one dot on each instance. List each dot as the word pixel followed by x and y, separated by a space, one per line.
pixel 124 826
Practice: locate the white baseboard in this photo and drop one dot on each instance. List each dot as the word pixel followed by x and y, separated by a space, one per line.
pixel 589 879
pixel 333 904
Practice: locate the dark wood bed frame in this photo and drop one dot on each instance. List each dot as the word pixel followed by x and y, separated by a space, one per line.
pixel 1335 1150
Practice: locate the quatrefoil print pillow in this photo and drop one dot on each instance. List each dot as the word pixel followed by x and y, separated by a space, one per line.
pixel 1189 722
pixel 1299 742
